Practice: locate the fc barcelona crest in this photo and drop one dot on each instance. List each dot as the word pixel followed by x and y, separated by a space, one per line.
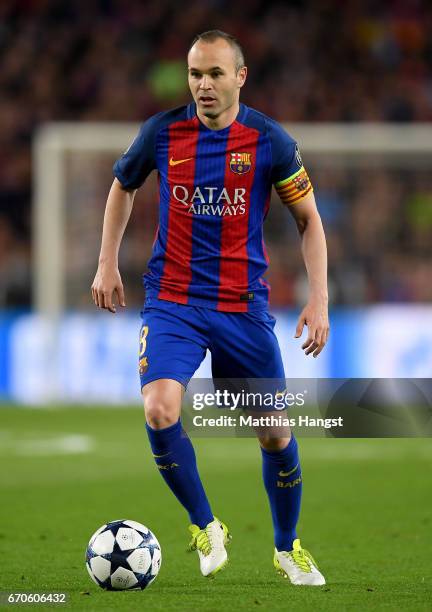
pixel 240 163
pixel 301 181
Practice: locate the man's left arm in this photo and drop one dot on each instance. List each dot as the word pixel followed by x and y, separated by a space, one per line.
pixel 314 250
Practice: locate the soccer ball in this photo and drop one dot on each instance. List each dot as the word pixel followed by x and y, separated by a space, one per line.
pixel 123 555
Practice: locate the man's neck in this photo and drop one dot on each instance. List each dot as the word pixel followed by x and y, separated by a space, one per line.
pixel 224 120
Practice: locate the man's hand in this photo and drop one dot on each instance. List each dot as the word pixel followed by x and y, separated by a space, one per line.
pixel 315 316
pixel 107 282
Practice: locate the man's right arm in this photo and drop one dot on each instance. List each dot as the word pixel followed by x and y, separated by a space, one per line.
pixel 108 280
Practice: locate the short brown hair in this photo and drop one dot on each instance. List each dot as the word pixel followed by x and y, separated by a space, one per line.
pixel 213 35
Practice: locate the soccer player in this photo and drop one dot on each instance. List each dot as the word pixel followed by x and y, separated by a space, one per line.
pixel 216 161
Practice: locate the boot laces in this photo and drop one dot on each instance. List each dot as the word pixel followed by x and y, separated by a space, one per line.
pixel 302 559
pixel 202 541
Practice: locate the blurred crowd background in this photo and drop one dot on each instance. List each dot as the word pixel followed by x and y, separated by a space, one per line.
pixel 315 61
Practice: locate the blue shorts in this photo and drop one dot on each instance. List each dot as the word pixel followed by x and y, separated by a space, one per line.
pixel 174 339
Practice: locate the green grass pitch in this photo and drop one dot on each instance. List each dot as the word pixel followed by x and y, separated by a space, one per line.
pixel 366 516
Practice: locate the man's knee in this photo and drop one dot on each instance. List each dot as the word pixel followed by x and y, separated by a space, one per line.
pixel 159 414
pixel 274 438
pixel 162 403
pixel 273 444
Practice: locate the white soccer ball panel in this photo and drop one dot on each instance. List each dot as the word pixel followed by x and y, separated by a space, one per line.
pixel 156 561
pixel 101 568
pixel 123 579
pixel 96 533
pixel 136 525
pixel 103 543
pixel 91 574
pixel 128 538
pixel 140 560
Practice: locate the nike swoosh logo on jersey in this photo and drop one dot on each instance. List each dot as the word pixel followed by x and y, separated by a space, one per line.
pixel 175 162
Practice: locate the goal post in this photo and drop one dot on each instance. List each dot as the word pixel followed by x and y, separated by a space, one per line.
pixel 51 144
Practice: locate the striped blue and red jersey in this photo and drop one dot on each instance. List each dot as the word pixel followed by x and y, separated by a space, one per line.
pixel 214 192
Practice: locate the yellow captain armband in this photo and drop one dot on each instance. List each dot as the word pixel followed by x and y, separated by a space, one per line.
pixel 295 187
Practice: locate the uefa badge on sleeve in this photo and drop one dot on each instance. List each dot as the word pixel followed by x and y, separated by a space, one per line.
pixel 298 157
pixel 240 163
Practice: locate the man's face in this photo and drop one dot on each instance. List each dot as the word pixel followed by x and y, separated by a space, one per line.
pixel 213 80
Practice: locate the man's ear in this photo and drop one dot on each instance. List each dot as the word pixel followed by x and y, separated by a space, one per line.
pixel 241 76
